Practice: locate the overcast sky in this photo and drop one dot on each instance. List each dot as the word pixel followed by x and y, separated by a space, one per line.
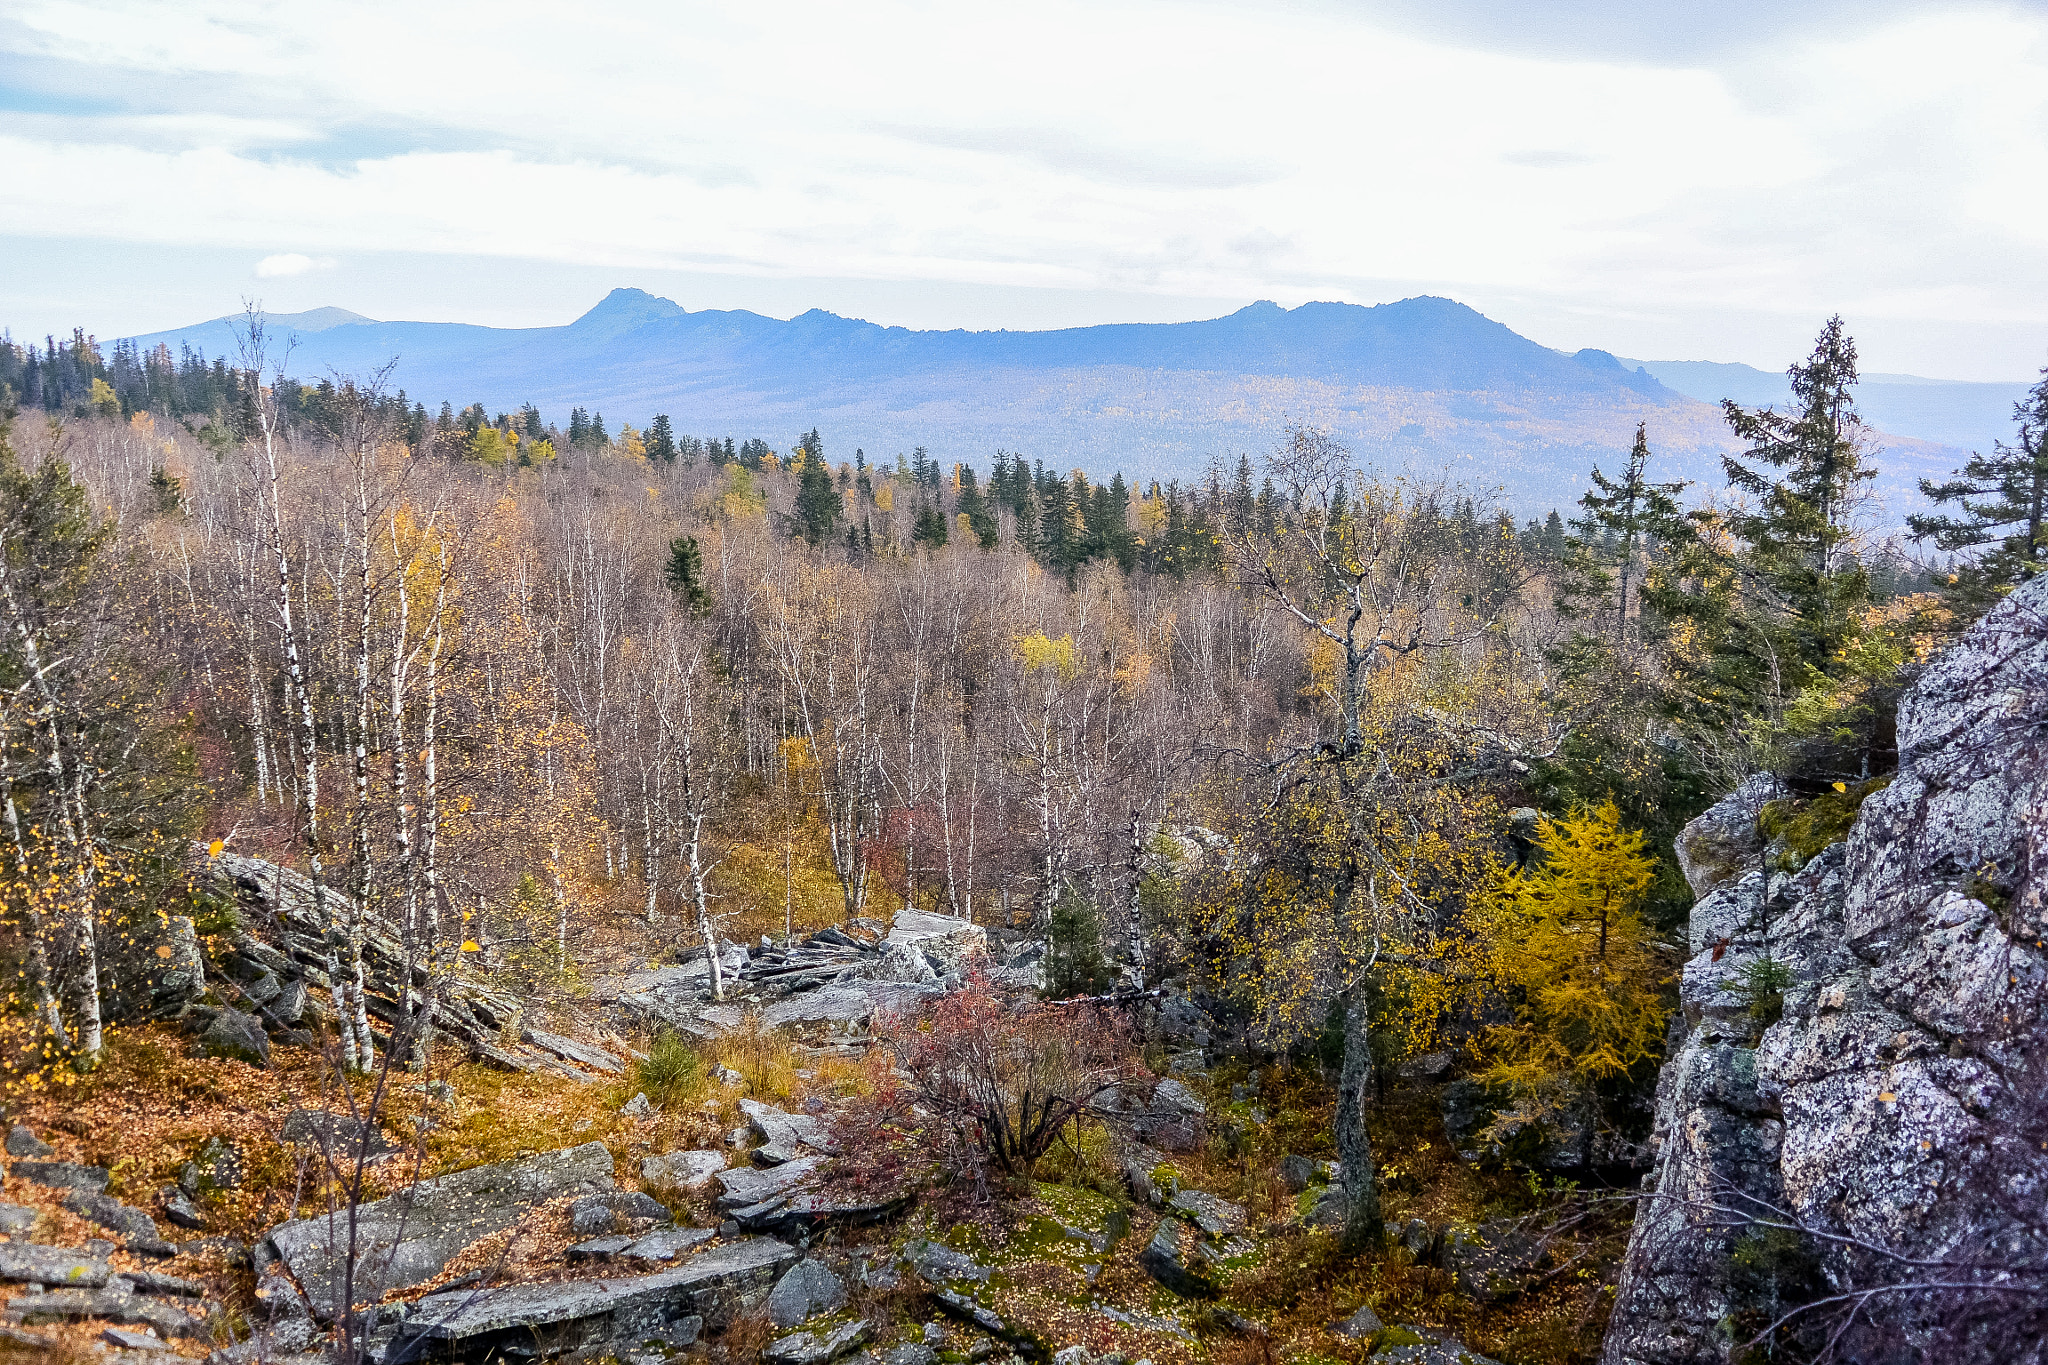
pixel 1661 178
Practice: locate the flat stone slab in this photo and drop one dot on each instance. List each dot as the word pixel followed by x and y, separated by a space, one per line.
pixel 110 1213
pixel 16 1218
pixel 64 1175
pixel 782 1133
pixel 665 1244
pixel 684 1169
pixel 826 1005
pixel 170 1286
pixel 408 1238
pixel 569 1050
pixel 66 1266
pixel 67 1305
pixel 744 1186
pixel 126 1340
pixel 599 1248
pixel 713 1285
pixel 817 1348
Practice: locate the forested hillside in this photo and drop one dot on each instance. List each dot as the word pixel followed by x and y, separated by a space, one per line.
pixel 1325 794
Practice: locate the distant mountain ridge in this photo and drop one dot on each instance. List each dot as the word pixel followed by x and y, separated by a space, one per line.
pixel 1424 385
pixel 1948 411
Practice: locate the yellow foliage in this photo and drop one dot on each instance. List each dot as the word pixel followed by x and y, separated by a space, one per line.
pixel 742 501
pixel 490 447
pixel 1039 651
pixel 885 496
pixel 1567 939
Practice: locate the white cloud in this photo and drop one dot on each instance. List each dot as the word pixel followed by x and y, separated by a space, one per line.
pixel 1126 145
pixel 288 264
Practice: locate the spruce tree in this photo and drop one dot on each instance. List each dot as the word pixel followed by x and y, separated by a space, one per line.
pixel 818 504
pixel 981 518
pixel 1619 514
pixel 1797 535
pixel 685 574
pixel 2004 502
pixel 661 440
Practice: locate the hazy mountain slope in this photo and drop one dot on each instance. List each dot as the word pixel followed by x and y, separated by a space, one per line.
pixel 1423 386
pixel 1945 411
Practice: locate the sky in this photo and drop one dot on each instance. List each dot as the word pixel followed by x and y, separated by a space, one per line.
pixel 1662 179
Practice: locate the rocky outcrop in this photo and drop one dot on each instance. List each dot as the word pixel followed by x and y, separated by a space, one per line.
pixel 1860 1031
pixel 273 967
pixel 830 986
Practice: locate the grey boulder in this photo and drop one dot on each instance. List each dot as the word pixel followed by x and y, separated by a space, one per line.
pixel 1214 1216
pixel 810 1288
pixel 22 1141
pixel 1493 1262
pixel 684 1170
pixel 236 1035
pixel 63 1175
pixel 1359 1325
pixel 1180 1271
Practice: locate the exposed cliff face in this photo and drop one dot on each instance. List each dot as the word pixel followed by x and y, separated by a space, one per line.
pixel 1882 1103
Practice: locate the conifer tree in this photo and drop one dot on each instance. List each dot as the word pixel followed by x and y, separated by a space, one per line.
pixel 661 440
pixel 1620 513
pixel 1568 941
pixel 981 518
pixel 2004 502
pixel 818 504
pixel 685 574
pixel 1797 535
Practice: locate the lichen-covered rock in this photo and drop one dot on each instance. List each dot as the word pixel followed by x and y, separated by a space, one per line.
pixel 1871 1092
pixel 1492 1262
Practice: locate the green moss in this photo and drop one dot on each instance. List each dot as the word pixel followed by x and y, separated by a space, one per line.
pixel 1388 1337
pixel 1804 828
